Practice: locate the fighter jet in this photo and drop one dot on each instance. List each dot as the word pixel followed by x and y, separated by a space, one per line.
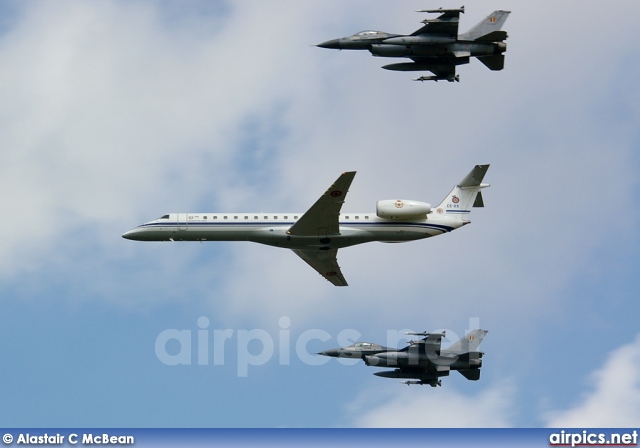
pixel 436 47
pixel 421 362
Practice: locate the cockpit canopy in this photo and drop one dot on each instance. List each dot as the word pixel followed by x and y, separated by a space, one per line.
pixel 363 345
pixel 164 217
pixel 370 34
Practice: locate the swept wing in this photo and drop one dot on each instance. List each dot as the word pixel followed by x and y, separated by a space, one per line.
pixel 325 262
pixel 322 221
pixel 322 218
pixel 445 25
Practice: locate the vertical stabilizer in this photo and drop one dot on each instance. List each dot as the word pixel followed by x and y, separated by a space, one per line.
pixel 465 195
pixel 492 23
pixel 469 343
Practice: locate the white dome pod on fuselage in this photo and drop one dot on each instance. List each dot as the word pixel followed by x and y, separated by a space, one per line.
pixel 402 209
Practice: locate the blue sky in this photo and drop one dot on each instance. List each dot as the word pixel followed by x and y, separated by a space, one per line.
pixel 113 113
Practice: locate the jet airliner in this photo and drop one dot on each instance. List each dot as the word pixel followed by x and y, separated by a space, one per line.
pixel 316 235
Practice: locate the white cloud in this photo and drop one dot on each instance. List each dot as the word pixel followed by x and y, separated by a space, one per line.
pixel 443 407
pixel 112 113
pixel 614 396
pixel 116 115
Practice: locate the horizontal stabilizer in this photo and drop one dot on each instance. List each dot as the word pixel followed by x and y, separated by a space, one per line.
pixel 493 62
pixel 471 374
pixel 474 178
pixel 494 36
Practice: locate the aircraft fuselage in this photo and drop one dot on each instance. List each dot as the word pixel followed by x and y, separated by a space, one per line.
pixel 435 49
pixel 272 229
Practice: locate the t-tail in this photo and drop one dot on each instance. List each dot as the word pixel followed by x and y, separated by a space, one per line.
pixel 465 195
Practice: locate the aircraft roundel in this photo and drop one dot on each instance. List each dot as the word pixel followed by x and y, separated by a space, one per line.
pixel 331 273
pixel 399 204
pixel 335 193
pixel 455 199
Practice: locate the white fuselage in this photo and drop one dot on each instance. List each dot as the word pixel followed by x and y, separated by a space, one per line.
pixel 271 229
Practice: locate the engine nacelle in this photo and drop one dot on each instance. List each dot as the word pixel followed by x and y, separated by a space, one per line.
pixel 402 209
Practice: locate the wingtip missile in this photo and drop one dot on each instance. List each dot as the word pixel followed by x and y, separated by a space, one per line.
pixel 440 10
pixel 425 334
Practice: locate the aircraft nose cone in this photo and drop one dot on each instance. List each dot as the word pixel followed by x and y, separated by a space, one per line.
pixel 333 44
pixel 129 235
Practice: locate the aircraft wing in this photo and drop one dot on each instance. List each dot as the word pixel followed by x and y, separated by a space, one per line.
pixel 325 262
pixel 430 344
pixel 322 218
pixel 446 24
pixel 433 343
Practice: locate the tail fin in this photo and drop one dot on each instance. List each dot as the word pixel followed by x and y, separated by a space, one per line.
pixel 488 29
pixel 465 195
pixel 469 343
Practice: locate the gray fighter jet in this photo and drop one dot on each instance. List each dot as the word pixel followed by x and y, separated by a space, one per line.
pixel 422 360
pixel 436 47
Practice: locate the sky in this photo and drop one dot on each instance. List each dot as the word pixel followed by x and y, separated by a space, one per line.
pixel 113 113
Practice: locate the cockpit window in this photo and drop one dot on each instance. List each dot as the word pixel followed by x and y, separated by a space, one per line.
pixel 368 33
pixel 164 217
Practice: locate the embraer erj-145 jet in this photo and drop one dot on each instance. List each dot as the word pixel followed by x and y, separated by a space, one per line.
pixel 316 236
pixel 436 46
